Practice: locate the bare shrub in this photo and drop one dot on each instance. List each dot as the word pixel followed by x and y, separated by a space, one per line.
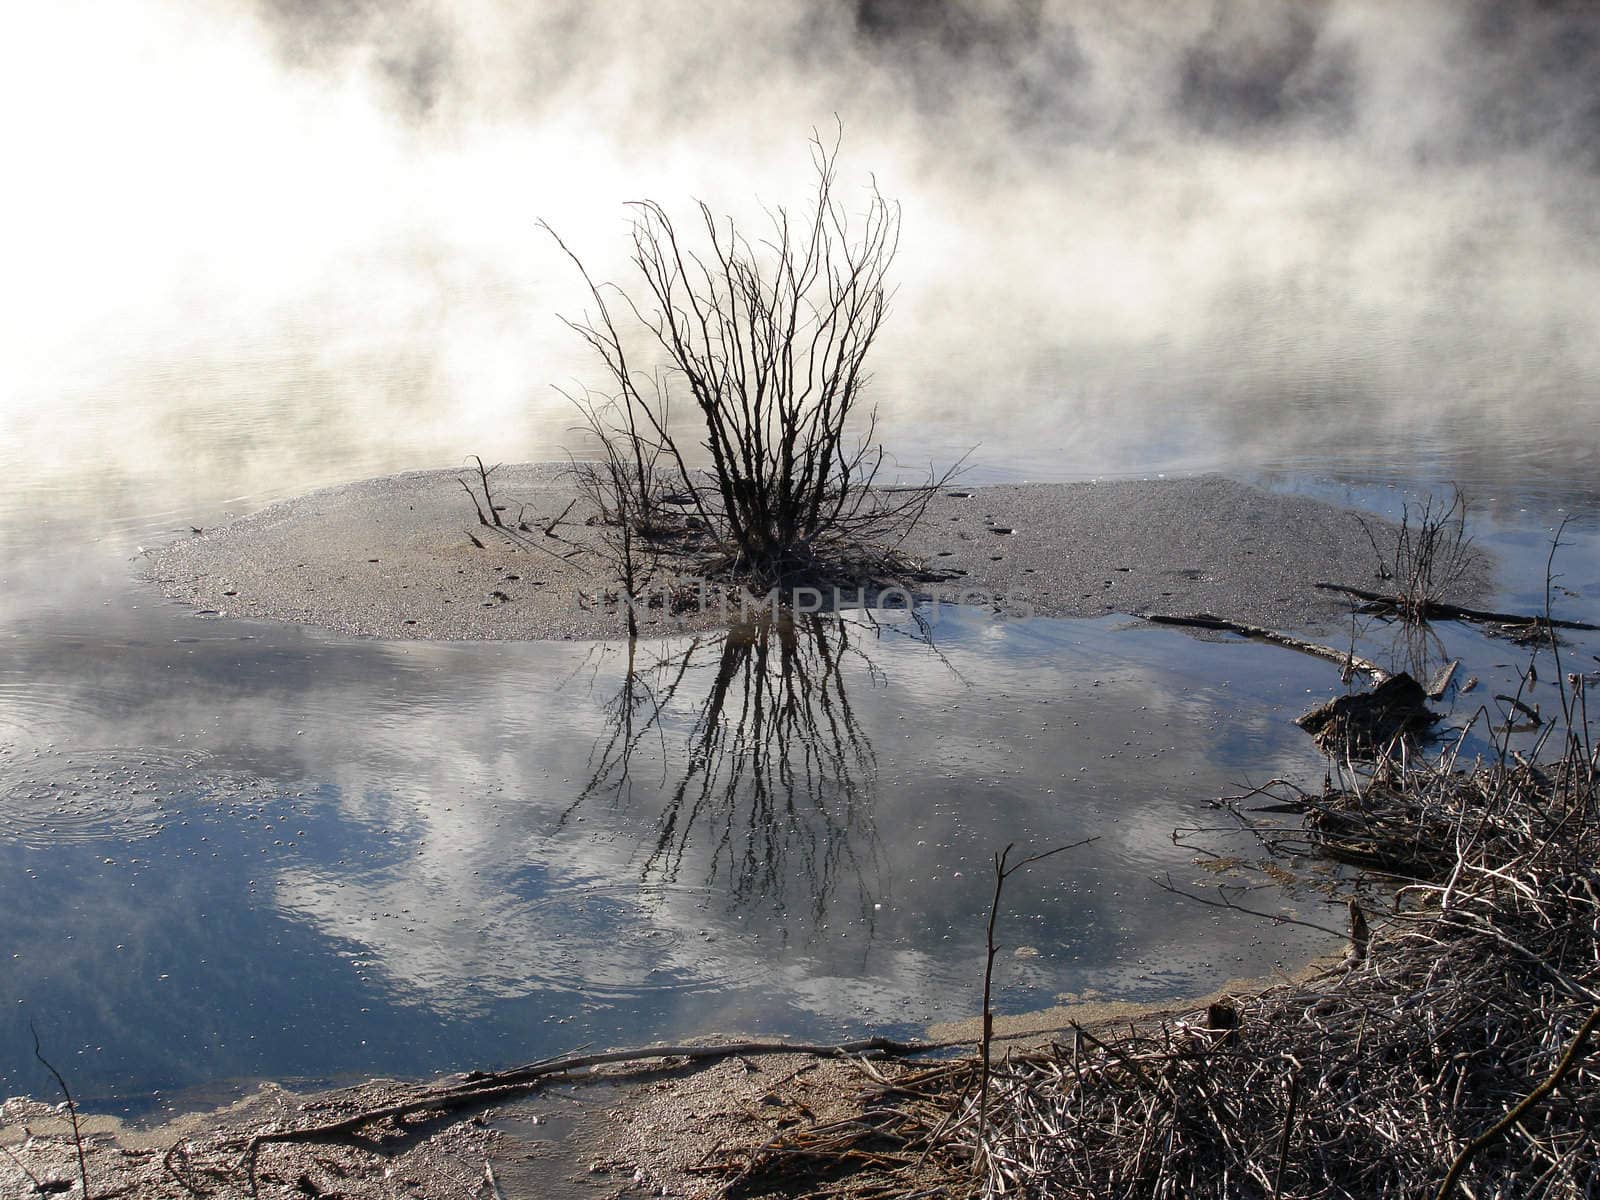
pixel 769 339
pixel 624 488
pixel 1431 553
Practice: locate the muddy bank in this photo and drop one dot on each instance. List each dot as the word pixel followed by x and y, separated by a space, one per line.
pixel 199 1154
pixel 405 556
pixel 633 1128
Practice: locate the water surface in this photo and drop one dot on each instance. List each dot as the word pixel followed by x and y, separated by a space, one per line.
pixel 236 851
pixel 257 248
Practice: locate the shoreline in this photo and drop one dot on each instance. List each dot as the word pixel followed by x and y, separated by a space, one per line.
pixel 636 1128
pixel 405 557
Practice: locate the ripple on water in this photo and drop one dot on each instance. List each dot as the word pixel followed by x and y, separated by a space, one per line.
pixel 51 797
pixel 620 941
pixel 34 713
pixel 53 699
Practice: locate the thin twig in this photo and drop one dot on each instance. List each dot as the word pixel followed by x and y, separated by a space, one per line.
pixel 72 1110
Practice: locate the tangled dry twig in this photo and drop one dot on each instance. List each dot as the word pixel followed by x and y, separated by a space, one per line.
pixel 1451 1056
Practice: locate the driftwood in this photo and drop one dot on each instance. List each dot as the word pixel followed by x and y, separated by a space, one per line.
pixel 484 1087
pixel 480 1086
pixel 1442 677
pixel 1346 659
pixel 1439 610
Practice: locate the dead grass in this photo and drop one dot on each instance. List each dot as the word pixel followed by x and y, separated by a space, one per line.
pixel 1450 1053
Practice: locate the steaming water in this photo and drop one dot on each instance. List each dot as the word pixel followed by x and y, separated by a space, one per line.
pixel 253 249
pixel 366 857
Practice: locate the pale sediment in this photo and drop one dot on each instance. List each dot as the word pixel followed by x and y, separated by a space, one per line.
pixel 405 557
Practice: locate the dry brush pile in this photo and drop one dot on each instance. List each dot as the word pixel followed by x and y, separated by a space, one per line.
pixel 1453 1052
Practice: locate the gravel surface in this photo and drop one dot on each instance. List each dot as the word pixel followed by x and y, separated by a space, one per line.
pixel 1204 544
pixel 405 556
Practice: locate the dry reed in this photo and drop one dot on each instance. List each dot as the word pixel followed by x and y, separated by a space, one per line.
pixel 1450 1053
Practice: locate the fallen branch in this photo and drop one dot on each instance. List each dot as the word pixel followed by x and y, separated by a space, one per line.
pixel 1439 610
pixel 1283 1141
pixel 549 530
pixel 1223 901
pixel 1519 706
pixel 499 1085
pixel 492 1183
pixel 169 1164
pixel 1441 679
pixel 1346 659
pixel 23 1167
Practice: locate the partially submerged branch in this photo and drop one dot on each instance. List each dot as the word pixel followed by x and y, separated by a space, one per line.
pixel 1347 660
pixel 1439 610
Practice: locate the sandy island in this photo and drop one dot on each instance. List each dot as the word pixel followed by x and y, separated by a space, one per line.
pixel 405 556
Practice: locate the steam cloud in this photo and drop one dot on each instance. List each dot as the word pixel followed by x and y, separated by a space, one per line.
pixel 1137 235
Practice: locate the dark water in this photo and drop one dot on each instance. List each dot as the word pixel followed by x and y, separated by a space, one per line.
pixel 232 851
